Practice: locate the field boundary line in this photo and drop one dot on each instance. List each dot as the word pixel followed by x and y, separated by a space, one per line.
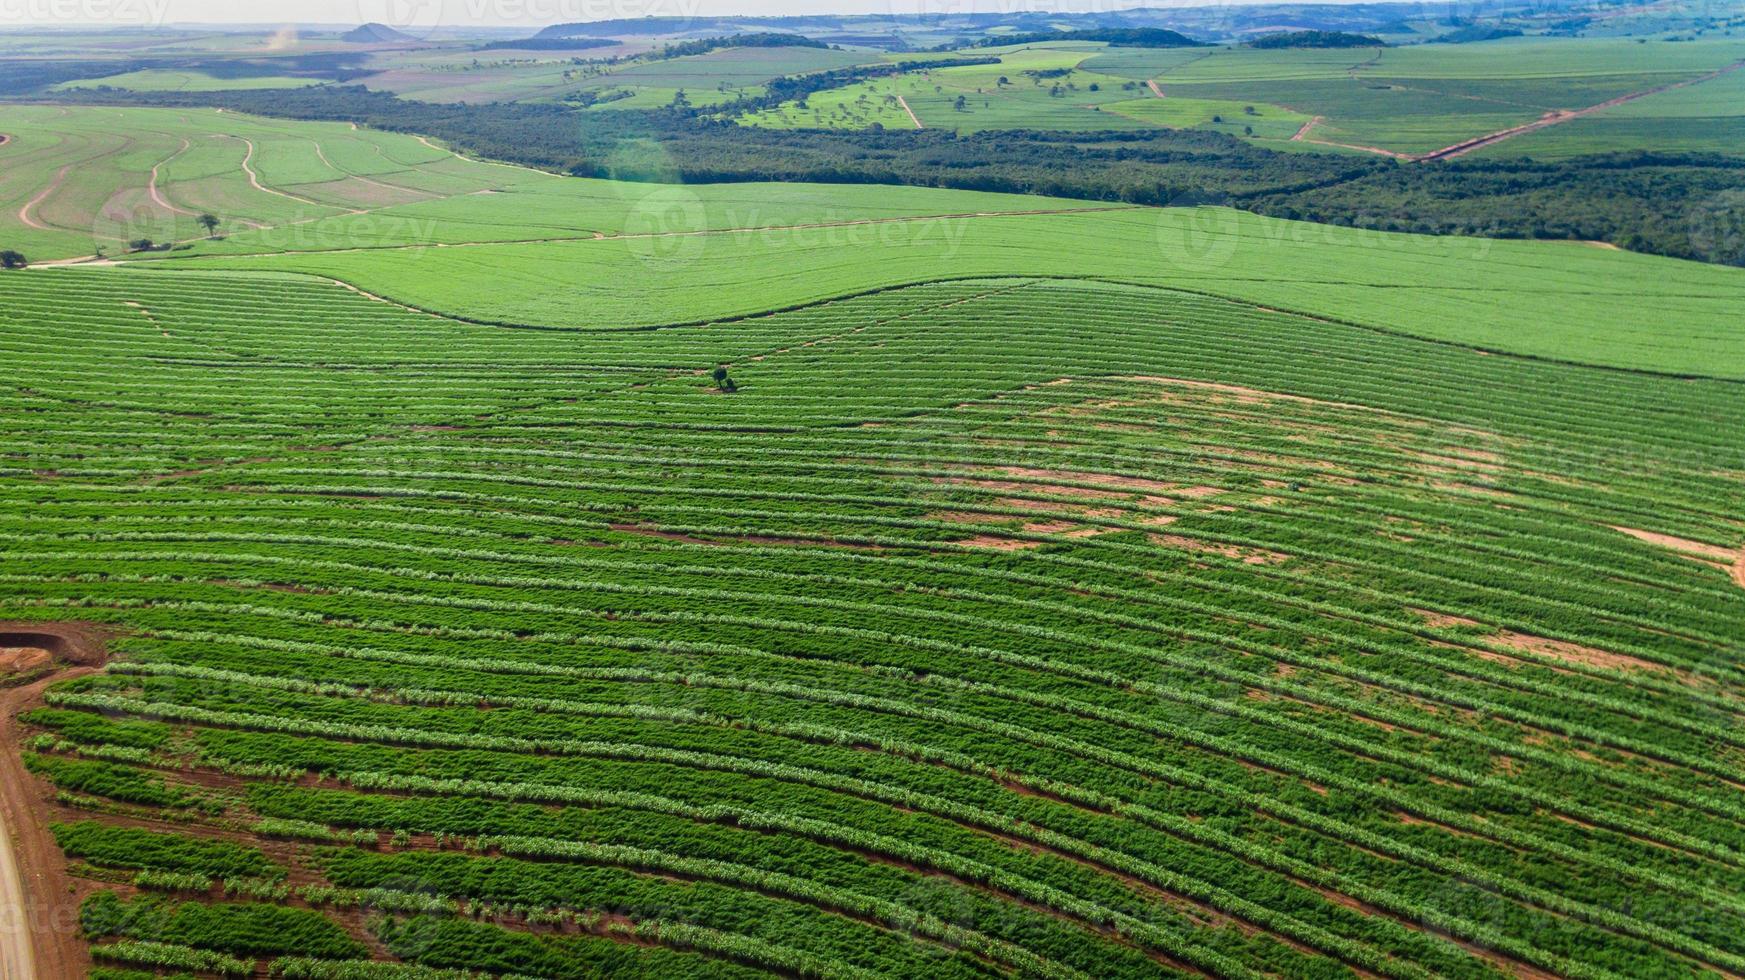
pixel 344 174
pixel 255 180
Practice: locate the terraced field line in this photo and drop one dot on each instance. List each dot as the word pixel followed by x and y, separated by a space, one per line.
pixel 912 117
pixel 255 180
pixel 1564 115
pixel 487 163
pixel 152 186
pixel 1156 89
pixel 322 156
pixel 53 185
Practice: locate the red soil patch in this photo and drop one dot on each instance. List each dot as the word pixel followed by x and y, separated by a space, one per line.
pixel 1575 652
pixel 22 660
pixel 1443 620
pixel 1248 556
pixel 992 542
pixel 1708 554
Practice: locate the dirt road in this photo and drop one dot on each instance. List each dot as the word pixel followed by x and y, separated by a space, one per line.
pixel 1156 89
pixel 38 924
pixel 1565 115
pixel 912 117
pixel 54 185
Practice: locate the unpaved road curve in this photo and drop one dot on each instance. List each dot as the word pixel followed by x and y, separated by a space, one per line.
pixel 156 193
pixel 53 185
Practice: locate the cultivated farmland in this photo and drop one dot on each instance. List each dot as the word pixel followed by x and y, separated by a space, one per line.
pixel 1002 625
pixel 449 570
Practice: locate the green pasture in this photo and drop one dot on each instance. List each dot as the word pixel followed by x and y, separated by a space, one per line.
pixel 167 80
pixel 1560 300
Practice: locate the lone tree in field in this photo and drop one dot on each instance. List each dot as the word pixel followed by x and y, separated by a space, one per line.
pixel 722 381
pixel 961 105
pixel 208 222
pixel 12 260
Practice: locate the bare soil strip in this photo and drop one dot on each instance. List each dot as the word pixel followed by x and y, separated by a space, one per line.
pixel 1303 134
pixel 912 117
pixel 37 938
pixel 152 186
pixel 484 163
pixel 321 155
pixel 1564 115
pixel 1156 89
pixel 53 185
pixel 255 180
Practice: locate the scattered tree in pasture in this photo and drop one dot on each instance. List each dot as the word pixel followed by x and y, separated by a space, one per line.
pixel 961 105
pixel 208 222
pixel 722 381
pixel 10 259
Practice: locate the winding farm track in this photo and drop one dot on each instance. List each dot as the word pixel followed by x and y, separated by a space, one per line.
pixel 53 185
pixel 152 188
pixel 484 163
pixel 1565 115
pixel 1303 133
pixel 912 117
pixel 255 180
pixel 321 155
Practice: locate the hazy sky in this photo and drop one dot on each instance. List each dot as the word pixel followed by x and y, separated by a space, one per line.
pixel 429 13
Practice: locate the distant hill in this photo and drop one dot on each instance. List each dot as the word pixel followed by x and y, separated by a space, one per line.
pixel 1317 39
pixel 1122 37
pixel 375 34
